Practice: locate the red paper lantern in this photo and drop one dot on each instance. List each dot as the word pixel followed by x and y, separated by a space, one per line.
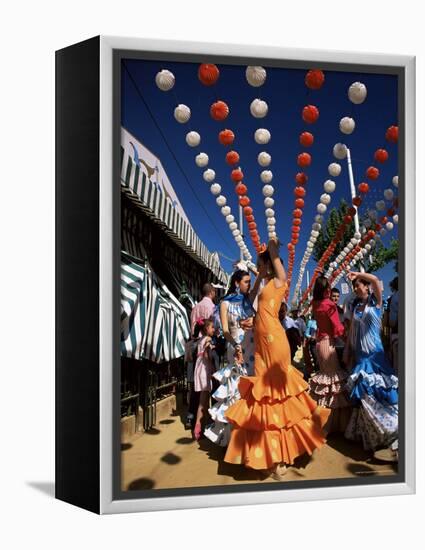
pixel 252 225
pixel 247 210
pixel 299 203
pixel 244 201
pixel 363 187
pixel 294 241
pixel 295 229
pixel 299 192
pixel 290 246
pixel 352 211
pixel 314 79
pixel 301 178
pixel 241 189
pixel 297 213
pixel 391 134
pixel 303 160
pixel 237 175
pixel 310 114
pixel 371 233
pixel 348 219
pixel 372 173
pixel 208 74
pixel 383 220
pixel 306 139
pixel 232 157
pixel 249 218
pixel 378 226
pixel 219 110
pixel 296 221
pixel 391 211
pixel 381 155
pixel 226 137
pixel 357 201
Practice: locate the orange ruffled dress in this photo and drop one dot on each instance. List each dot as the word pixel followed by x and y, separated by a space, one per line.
pixel 275 420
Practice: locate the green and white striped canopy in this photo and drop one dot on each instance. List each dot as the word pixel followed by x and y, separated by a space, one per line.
pixel 148 197
pixel 154 325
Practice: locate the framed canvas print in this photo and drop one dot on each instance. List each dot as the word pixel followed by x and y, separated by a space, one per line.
pixel 235 274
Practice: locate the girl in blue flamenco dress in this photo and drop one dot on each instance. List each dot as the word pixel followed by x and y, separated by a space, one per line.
pixel 236 320
pixel 372 384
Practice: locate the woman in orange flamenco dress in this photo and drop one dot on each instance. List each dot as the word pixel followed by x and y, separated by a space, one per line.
pixel 275 421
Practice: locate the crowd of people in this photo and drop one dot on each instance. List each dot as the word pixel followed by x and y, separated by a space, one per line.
pixel 247 393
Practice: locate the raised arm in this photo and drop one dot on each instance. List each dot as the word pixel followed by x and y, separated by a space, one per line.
pixel 280 274
pixel 254 290
pixel 374 283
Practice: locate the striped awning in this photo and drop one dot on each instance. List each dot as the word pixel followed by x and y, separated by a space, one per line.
pixel 154 324
pixel 141 190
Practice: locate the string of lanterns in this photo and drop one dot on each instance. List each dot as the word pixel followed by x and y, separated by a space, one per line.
pixel 208 74
pixel 314 80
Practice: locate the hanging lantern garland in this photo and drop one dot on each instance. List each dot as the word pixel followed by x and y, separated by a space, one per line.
pixel 314 80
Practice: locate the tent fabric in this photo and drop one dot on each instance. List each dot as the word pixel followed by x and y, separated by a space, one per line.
pixel 136 183
pixel 154 324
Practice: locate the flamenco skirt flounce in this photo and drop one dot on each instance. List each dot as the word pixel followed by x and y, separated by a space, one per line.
pixel 373 389
pixel 274 421
pixel 226 395
pixel 328 390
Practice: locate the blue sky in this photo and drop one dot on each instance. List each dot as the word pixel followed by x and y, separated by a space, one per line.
pixel 286 95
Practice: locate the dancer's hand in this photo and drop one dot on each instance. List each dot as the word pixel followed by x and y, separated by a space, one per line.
pixel 246 324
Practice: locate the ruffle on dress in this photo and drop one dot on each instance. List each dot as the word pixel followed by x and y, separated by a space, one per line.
pixel 274 421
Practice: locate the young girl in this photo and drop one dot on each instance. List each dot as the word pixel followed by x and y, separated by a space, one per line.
pixel 203 370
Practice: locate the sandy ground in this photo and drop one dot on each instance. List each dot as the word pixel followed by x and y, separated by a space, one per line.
pixel 168 457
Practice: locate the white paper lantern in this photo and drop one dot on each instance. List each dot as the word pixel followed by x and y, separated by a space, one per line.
pixel 233 226
pixel 313 239
pixel 264 159
pixel 262 136
pixel 193 139
pixel 209 175
pixel 368 247
pixel 215 188
pixel 230 218
pixel 389 226
pixel 315 233
pixel 357 236
pixel 226 210
pixel 357 93
pixel 395 181
pixel 268 202
pixel 255 75
pixel 347 125
pixel 202 160
pixel 321 208
pixel 182 113
pixel 258 108
pixel 221 200
pixel 266 176
pixel 389 194
pixel 383 231
pixel 269 212
pixel 318 218
pixel 380 205
pixel 239 239
pixel 273 234
pixel 271 228
pixel 271 221
pixel 316 226
pixel 340 151
pixel 165 80
pixel 334 169
pixel 350 246
pixel 354 241
pixel 268 190
pixel 325 198
pixel 346 250
pixel 236 232
pixel 372 242
pixel 395 218
pixel 329 186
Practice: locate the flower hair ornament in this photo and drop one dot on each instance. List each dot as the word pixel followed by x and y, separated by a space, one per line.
pixel 200 322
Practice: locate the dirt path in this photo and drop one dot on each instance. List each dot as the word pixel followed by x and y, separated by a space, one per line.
pixel 168 457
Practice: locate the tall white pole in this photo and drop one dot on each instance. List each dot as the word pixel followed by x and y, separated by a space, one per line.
pixel 241 225
pixel 353 194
